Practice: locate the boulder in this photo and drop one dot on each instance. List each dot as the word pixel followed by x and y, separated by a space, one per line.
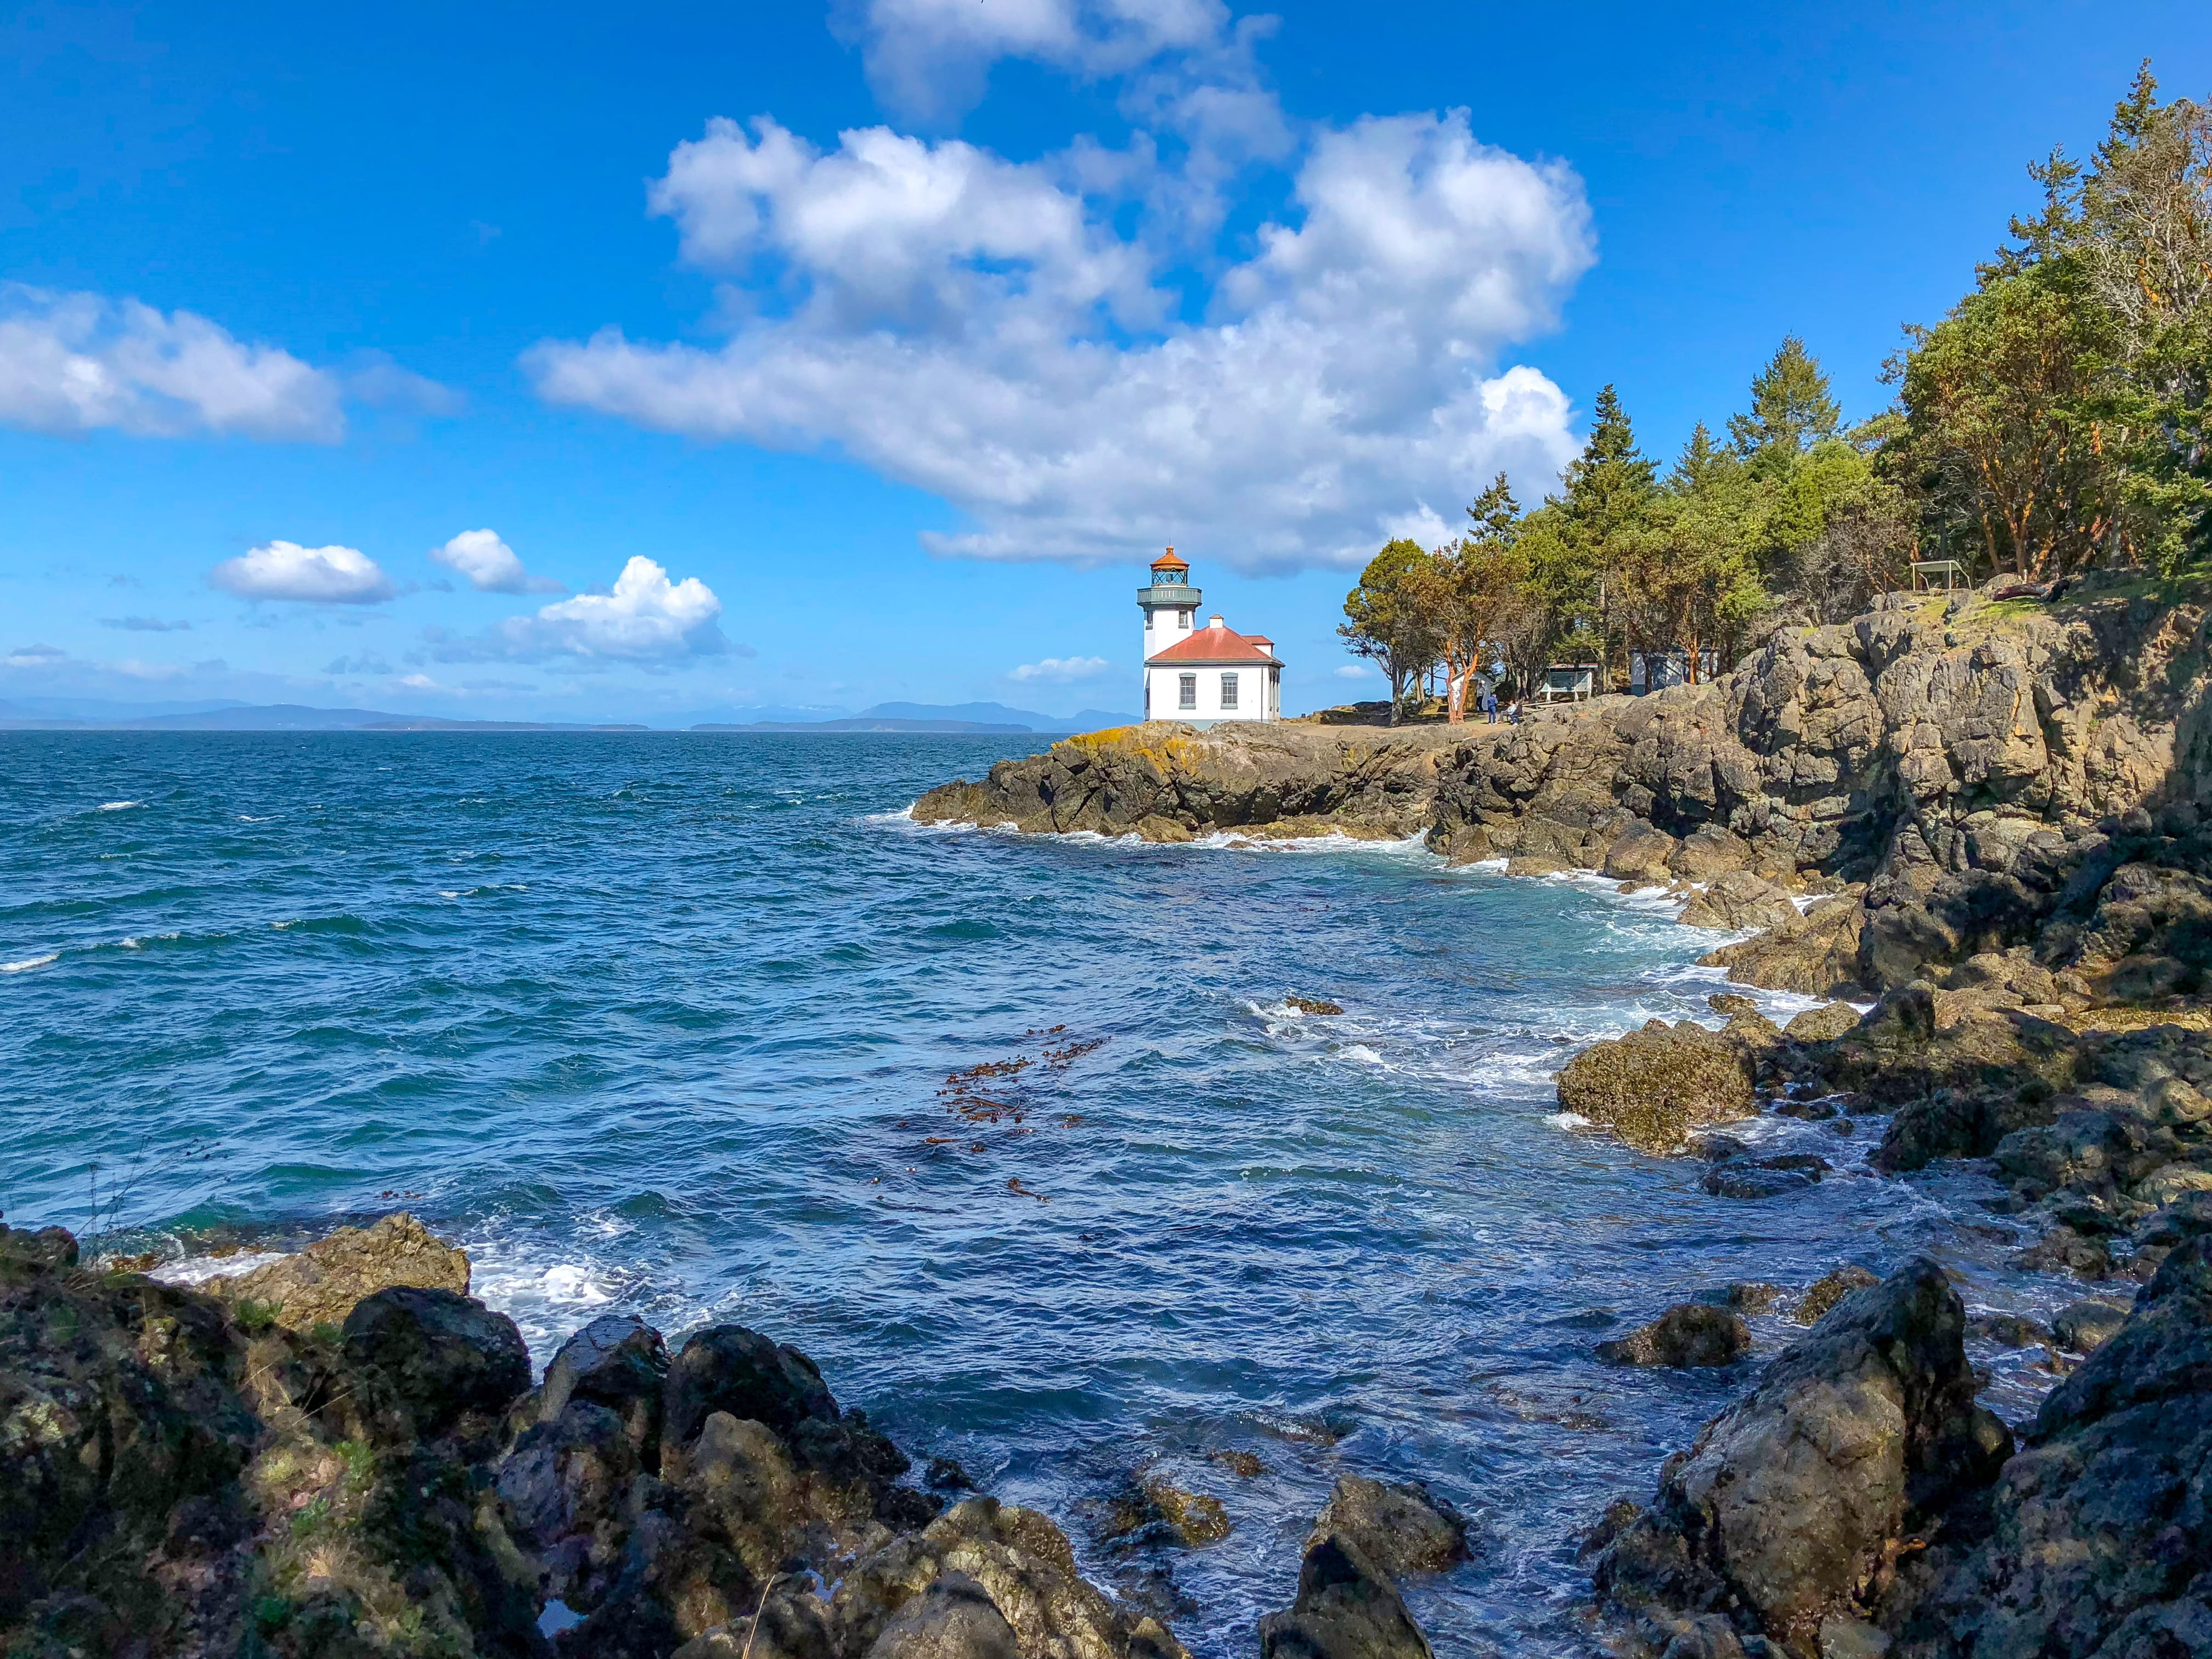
pixel 618 1362
pixel 1155 1510
pixel 1638 854
pixel 1653 1087
pixel 1828 1290
pixel 727 1368
pixel 320 1283
pixel 2086 1326
pixel 427 1360
pixel 1400 1529
pixel 1737 901
pixel 1025 1565
pixel 954 1618
pixel 2096 1538
pixel 1689 1333
pixel 1795 1501
pixel 1346 1608
pixel 1710 852
pixel 1823 1025
pixel 1816 954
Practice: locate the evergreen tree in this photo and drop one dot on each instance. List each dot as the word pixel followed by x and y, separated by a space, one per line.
pixel 1790 408
pixel 1606 508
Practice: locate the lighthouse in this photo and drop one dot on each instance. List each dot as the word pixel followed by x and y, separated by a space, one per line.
pixel 1201 675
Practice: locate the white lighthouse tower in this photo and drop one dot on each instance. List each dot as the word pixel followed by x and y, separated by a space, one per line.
pixel 1201 675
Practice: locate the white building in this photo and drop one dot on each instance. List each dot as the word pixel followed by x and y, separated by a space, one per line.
pixel 1202 674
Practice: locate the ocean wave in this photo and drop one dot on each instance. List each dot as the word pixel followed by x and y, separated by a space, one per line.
pixel 29 963
pixel 197 1270
pixel 117 806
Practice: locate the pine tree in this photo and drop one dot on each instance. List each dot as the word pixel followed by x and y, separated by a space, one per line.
pixel 1790 408
pixel 1612 487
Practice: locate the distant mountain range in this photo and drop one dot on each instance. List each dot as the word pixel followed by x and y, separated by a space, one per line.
pixel 73 714
pixel 981 718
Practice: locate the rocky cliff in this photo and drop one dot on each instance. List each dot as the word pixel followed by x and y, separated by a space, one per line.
pixel 1169 783
pixel 1940 783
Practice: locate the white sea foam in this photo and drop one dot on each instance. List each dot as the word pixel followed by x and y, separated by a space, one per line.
pixel 198 1269
pixel 248 817
pixel 118 805
pixel 29 963
pixel 1567 1120
pixel 1362 1053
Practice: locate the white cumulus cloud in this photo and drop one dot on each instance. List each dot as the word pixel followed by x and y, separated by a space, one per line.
pixel 72 363
pixel 308 575
pixel 646 618
pixel 984 330
pixel 1061 671
pixel 1356 670
pixel 490 565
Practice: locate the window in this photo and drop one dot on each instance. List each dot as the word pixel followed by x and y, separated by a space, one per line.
pixel 1186 691
pixel 1182 618
pixel 1229 691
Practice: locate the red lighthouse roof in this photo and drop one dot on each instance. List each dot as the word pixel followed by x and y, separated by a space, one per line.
pixel 1168 560
pixel 1217 644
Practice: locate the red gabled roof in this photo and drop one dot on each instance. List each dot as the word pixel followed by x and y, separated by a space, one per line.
pixel 1212 645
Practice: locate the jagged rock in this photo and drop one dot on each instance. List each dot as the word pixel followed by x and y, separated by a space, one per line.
pixel 1346 1608
pixel 427 1359
pixel 1025 1566
pixel 954 1618
pixel 1710 853
pixel 179 1485
pixel 1654 1086
pixel 1400 1529
pixel 1639 853
pixel 2096 1538
pixel 320 1283
pixel 618 1362
pixel 730 1368
pixel 2184 1218
pixel 1689 1333
pixel 1166 781
pixel 1816 954
pixel 1828 1290
pixel 1156 1511
pixel 1739 900
pixel 1797 1498
pixel 1313 1005
pixel 1823 1025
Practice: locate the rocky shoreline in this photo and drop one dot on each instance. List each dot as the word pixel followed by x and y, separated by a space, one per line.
pixel 1993 821
pixel 341 1453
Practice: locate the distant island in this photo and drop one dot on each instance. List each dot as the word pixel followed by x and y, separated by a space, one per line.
pixel 972 718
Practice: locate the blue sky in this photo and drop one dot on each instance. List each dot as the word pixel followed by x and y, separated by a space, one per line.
pixel 803 356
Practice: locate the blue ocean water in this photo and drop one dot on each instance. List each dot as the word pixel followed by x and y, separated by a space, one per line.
pixel 1016 1136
